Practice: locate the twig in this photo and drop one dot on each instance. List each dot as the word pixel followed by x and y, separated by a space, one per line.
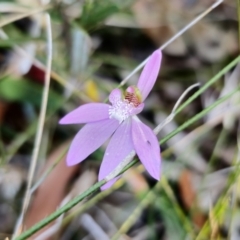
pixel 193 22
pixel 173 113
pixel 40 127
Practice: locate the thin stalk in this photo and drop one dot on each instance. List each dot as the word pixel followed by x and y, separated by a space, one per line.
pixel 92 202
pixel 192 23
pixel 40 127
pixel 19 140
pixel 181 215
pixel 173 112
pixel 60 211
pixel 198 116
pixel 151 197
pixel 209 83
pixel 96 186
pixel 221 206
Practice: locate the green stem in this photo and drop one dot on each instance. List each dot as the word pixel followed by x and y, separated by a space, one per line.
pixel 150 196
pixel 60 211
pixel 209 83
pixel 96 186
pixel 198 116
pixel 93 201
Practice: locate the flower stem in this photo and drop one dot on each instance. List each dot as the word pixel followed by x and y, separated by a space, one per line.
pixel 96 186
pixel 173 38
pixel 198 116
pixel 209 83
pixel 60 211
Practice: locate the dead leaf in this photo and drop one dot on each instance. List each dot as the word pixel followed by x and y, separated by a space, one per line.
pixel 52 191
pixel 189 197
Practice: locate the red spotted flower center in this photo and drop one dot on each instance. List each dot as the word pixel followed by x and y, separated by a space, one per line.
pixel 122 109
pixel 133 96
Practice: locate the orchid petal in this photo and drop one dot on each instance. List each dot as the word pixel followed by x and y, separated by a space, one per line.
pixel 86 113
pixel 115 96
pixel 117 150
pixel 90 138
pixel 147 147
pixel 149 74
pixel 137 109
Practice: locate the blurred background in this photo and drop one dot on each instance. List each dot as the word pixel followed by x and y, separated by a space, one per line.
pixel 96 44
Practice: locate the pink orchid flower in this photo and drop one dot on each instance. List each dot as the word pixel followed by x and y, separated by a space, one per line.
pixel 118 120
